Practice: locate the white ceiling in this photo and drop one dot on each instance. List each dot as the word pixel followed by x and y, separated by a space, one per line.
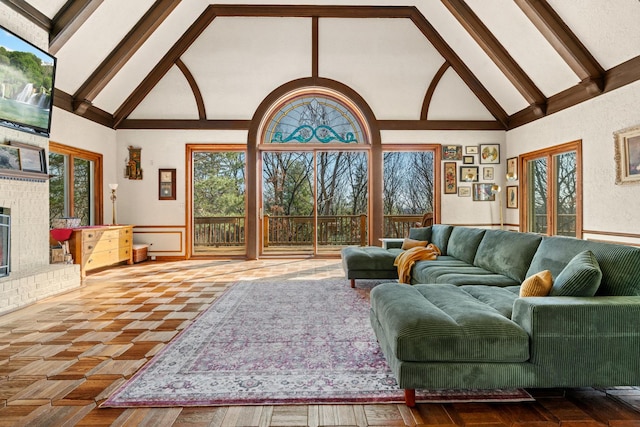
pixel 237 61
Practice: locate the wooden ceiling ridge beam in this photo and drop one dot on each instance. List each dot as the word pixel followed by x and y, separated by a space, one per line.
pixel 164 65
pixel 460 67
pixel 565 42
pixel 68 20
pixel 114 62
pixel 498 54
pixel 30 12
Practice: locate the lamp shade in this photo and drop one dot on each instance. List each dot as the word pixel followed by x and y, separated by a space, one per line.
pixel 113 186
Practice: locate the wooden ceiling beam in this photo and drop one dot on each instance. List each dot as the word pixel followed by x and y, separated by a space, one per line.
pixel 30 12
pixel 68 20
pixel 565 42
pixel 164 65
pixel 129 45
pixel 498 54
pixel 460 67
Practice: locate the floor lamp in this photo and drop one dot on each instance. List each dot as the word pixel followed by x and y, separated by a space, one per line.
pixel 495 190
pixel 113 188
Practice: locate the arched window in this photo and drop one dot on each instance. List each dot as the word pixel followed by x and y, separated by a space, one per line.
pixel 314 118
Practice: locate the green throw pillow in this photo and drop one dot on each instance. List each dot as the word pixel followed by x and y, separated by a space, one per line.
pixel 580 278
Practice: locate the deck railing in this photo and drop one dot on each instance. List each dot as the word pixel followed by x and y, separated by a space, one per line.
pixel 334 230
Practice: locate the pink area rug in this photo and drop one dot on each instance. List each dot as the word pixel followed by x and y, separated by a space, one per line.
pixel 279 342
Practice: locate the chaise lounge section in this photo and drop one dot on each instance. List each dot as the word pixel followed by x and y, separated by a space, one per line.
pixel 464 325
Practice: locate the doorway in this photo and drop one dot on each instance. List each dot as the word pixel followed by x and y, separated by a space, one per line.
pixel 314 202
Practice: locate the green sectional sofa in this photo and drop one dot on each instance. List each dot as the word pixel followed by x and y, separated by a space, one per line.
pixel 462 323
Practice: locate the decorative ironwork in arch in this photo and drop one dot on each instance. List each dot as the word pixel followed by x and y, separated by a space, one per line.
pixel 314 118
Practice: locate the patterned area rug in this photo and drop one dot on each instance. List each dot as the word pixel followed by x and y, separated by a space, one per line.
pixel 279 342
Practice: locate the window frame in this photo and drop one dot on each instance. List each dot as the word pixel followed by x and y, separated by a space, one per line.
pixel 96 158
pixel 550 153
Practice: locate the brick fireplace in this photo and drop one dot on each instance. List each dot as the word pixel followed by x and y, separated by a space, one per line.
pixel 28 275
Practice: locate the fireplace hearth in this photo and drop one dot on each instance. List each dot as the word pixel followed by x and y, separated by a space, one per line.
pixel 5 241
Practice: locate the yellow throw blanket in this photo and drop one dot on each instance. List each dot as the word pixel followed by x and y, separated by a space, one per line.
pixel 408 258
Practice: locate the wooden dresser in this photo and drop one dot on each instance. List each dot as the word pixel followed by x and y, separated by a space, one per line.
pixel 101 246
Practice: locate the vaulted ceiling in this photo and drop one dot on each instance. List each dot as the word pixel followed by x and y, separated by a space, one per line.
pixel 174 64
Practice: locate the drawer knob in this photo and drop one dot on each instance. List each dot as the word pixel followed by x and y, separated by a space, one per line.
pixel 90 247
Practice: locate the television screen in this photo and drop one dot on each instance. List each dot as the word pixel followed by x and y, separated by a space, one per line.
pixel 26 85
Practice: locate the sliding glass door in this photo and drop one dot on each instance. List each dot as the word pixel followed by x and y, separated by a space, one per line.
pixel 313 202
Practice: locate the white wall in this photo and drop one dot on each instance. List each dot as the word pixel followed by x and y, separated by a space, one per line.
pixel 607 207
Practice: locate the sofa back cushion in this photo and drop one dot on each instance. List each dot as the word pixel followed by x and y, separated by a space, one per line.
pixel 507 252
pixel 620 264
pixel 463 243
pixel 420 233
pixel 438 234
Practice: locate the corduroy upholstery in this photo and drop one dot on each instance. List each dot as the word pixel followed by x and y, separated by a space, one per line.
pixel 570 341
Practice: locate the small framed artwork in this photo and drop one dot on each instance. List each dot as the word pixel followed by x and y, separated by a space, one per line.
pixel 452 152
pixel 483 193
pixel 32 158
pixel 627 155
pixel 471 149
pixel 469 173
pixel 490 153
pixel 450 178
pixel 487 173
pixel 167 184
pixel 512 197
pixel 468 160
pixel 9 157
pixel 512 168
pixel 464 191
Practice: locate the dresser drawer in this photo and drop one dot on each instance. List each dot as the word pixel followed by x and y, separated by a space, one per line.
pixel 101 259
pixel 103 244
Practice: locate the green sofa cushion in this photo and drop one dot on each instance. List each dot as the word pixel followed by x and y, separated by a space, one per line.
pixel 443 323
pixel 440 236
pixel 431 273
pixel 420 233
pixel 463 243
pixel 580 278
pixel 620 264
pixel 507 253
pixel 491 279
pixel 500 299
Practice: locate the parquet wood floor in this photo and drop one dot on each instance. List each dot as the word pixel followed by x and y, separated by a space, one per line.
pixel 61 357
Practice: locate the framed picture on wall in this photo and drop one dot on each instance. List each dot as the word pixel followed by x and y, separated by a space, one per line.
pixel 32 158
pixel 487 173
pixel 450 178
pixel 512 197
pixel 483 193
pixel 627 155
pixel 471 149
pixel 9 157
pixel 464 191
pixel 469 173
pixel 468 160
pixel 490 153
pixel 166 184
pixel 452 152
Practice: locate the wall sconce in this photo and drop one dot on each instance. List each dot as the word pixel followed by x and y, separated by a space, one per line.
pixel 469 177
pixel 495 190
pixel 512 176
pixel 113 188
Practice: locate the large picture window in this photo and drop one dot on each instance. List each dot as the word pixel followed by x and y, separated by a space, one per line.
pixel 552 184
pixel 75 184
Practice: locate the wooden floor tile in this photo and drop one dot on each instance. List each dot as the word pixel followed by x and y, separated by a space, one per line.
pixel 63 356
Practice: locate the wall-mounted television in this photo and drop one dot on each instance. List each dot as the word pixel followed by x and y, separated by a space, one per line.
pixel 27 76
